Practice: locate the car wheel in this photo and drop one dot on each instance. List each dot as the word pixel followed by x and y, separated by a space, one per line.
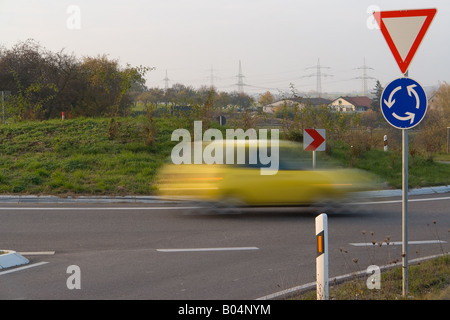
pixel 330 207
pixel 228 205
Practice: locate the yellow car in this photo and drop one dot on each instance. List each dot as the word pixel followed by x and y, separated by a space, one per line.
pixel 295 183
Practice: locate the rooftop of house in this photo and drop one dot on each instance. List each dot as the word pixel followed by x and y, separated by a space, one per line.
pixel 312 101
pixel 358 101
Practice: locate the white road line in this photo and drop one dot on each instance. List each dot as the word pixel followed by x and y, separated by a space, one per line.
pixel 92 208
pixel 399 201
pixel 208 249
pixel 23 268
pixel 38 253
pixel 181 208
pixel 396 243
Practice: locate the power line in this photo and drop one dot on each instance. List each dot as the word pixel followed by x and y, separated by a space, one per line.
pixel 212 77
pixel 319 74
pixel 364 76
pixel 166 82
pixel 274 84
pixel 240 84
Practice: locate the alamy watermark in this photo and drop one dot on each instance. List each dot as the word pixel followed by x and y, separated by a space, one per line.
pixel 73 22
pixel 74 280
pixel 374 280
pixel 371 23
pixel 222 151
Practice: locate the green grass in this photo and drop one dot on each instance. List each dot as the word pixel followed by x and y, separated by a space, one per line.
pixel 442 157
pixel 428 280
pixel 77 157
pixel 422 172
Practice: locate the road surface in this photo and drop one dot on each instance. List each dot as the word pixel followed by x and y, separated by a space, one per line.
pixel 166 251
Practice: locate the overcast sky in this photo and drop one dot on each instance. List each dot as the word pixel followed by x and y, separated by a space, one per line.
pixel 278 42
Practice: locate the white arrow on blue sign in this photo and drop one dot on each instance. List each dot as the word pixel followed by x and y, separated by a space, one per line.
pixel 403 103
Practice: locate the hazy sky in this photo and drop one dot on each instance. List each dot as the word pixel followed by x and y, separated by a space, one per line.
pixel 277 41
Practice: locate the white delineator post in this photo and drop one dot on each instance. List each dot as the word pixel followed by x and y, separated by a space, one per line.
pixel 322 257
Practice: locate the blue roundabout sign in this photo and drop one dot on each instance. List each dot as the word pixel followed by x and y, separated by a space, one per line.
pixel 404 103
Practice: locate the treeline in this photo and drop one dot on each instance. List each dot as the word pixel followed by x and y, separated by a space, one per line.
pixel 40 84
pixel 180 94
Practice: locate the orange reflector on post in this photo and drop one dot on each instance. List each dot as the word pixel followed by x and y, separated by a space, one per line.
pixel 320 243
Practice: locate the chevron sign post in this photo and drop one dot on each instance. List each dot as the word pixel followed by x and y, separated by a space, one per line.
pixel 314 140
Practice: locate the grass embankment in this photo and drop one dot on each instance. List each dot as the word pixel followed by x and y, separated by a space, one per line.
pixel 80 157
pixel 422 172
pixel 429 280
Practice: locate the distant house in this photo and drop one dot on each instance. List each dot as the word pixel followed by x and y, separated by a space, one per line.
pixel 300 102
pixel 351 104
pixel 315 102
pixel 271 108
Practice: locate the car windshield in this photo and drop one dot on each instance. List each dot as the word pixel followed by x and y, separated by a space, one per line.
pixel 244 154
pixel 290 158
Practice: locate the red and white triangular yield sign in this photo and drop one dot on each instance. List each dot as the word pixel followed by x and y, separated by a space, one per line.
pixel 404 31
pixel 314 139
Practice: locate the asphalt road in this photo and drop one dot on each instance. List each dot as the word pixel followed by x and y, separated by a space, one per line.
pixel 165 251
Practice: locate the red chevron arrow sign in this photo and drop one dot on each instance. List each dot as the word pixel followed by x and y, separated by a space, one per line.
pixel 314 139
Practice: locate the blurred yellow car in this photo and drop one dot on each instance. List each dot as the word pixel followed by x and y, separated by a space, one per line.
pixel 294 184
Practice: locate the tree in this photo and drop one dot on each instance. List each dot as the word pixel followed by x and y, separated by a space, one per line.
pixel 241 99
pixel 25 71
pixel 222 100
pixel 43 83
pixel 129 77
pixel 377 92
pixel 67 79
pixel 27 103
pixel 266 98
pixel 152 95
pixel 441 100
pixel 433 128
pixel 24 63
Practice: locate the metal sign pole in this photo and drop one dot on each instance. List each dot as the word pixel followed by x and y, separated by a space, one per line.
pixel 405 151
pixel 314 159
pixel 405 212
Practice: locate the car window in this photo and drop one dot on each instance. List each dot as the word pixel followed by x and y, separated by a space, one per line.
pixel 289 159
